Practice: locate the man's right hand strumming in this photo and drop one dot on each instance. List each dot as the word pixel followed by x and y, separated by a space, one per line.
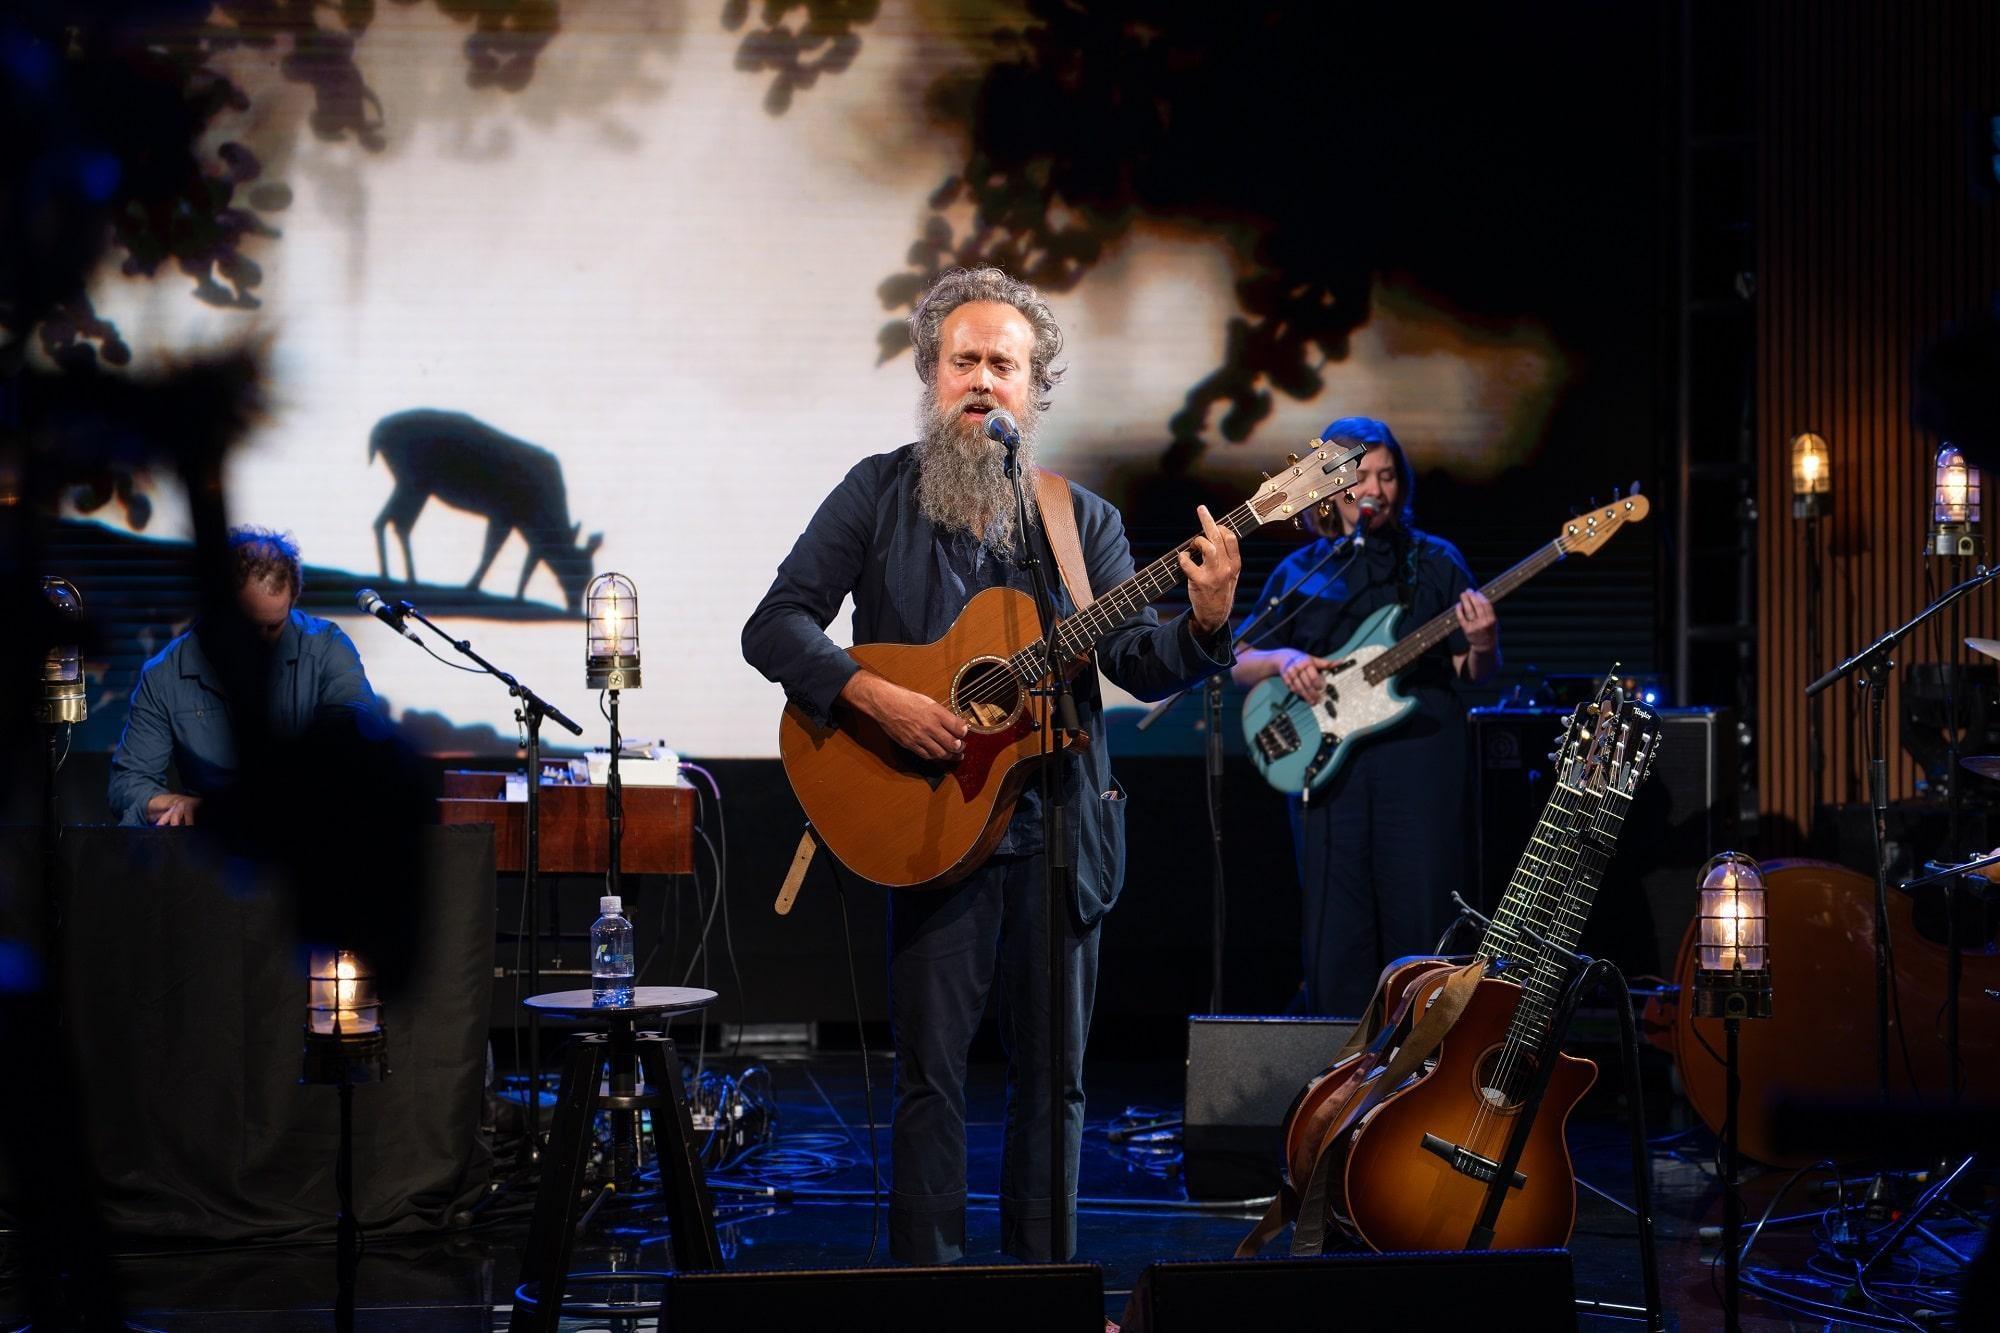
pixel 917 722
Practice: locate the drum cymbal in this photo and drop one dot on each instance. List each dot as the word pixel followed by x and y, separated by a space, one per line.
pixel 1991 647
pixel 1985 765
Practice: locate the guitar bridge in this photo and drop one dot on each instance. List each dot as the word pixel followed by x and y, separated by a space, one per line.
pixel 1469 1163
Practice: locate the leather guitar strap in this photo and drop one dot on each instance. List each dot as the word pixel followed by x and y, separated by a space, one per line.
pixel 1284 1207
pixel 1310 1210
pixel 1309 1235
pixel 1052 497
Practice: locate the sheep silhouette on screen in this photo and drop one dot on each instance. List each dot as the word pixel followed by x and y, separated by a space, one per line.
pixel 469 465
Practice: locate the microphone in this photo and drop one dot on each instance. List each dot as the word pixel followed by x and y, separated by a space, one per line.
pixel 1366 508
pixel 371 601
pixel 1001 428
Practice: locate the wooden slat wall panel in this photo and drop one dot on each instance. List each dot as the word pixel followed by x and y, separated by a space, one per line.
pixel 1875 233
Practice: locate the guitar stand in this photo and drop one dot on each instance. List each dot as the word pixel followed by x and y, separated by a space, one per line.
pixel 1583 977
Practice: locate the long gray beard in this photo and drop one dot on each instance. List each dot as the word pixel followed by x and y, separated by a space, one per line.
pixel 959 478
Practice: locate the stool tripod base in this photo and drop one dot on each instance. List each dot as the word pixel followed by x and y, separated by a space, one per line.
pixel 589 1058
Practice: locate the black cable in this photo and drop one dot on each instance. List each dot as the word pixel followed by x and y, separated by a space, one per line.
pixel 455 666
pixel 728 939
pixel 867 1082
pixel 701 948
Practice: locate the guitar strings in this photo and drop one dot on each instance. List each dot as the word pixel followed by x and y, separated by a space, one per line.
pixel 1520 1039
pixel 1025 670
pixel 1562 866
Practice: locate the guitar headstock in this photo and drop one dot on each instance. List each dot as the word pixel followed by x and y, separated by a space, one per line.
pixel 1634 747
pixel 1621 741
pixel 1593 527
pixel 1314 478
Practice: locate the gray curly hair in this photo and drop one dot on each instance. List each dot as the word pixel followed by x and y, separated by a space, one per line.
pixel 961 286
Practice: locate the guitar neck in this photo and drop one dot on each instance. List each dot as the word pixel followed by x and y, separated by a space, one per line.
pixel 1541 989
pixel 1077 634
pixel 1524 910
pixel 1433 632
pixel 1594 837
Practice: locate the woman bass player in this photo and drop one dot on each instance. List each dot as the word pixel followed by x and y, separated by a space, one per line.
pixel 1380 847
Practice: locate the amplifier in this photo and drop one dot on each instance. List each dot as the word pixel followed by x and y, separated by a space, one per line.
pixel 1686 812
pixel 1242 1076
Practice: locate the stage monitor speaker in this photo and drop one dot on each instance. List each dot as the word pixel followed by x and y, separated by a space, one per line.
pixel 997 1298
pixel 1242 1076
pixel 1490 1290
pixel 1686 812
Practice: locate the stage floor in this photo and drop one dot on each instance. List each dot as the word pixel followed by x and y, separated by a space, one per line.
pixel 1134 1214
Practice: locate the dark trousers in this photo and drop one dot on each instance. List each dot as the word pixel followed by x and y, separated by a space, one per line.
pixel 945 949
pixel 1381 849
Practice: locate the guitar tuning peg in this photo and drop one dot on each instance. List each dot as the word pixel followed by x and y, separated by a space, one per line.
pixel 1298 523
pixel 1291 460
pixel 1265 475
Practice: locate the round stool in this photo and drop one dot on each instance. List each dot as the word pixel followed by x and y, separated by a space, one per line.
pixel 616 1049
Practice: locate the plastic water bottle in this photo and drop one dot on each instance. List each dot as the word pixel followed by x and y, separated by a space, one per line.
pixel 611 965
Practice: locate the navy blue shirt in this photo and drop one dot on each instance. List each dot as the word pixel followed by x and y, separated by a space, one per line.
pixel 871 539
pixel 179 712
pixel 1423 572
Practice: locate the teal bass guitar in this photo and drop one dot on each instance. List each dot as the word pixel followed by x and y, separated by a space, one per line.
pixel 1298 745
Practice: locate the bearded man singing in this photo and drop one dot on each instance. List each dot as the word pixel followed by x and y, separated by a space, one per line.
pixel 913 535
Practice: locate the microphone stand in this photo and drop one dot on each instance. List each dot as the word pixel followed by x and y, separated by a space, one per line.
pixel 531 712
pixel 1060 718
pixel 1212 768
pixel 1876 662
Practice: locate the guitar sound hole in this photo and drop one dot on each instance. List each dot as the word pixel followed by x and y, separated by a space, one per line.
pixel 986 693
pixel 1504 1090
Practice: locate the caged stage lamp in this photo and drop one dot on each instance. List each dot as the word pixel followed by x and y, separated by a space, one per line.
pixel 1812 475
pixel 611 659
pixel 1732 968
pixel 64 696
pixel 1954 506
pixel 1732 981
pixel 346 1044
pixel 345 1038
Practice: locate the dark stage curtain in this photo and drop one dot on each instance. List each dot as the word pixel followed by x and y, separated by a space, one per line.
pixel 186 1001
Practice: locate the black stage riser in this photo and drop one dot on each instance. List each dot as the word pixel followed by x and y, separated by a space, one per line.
pixel 1503 1291
pixel 1004 1298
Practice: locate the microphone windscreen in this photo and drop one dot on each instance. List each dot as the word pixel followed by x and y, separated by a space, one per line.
pixel 1001 427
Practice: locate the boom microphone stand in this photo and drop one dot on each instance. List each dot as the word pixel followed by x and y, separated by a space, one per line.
pixel 1876 661
pixel 531 712
pixel 1061 871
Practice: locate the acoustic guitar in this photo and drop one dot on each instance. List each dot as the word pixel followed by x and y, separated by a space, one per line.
pixel 1319 1115
pixel 1298 745
pixel 1419 1163
pixel 906 822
